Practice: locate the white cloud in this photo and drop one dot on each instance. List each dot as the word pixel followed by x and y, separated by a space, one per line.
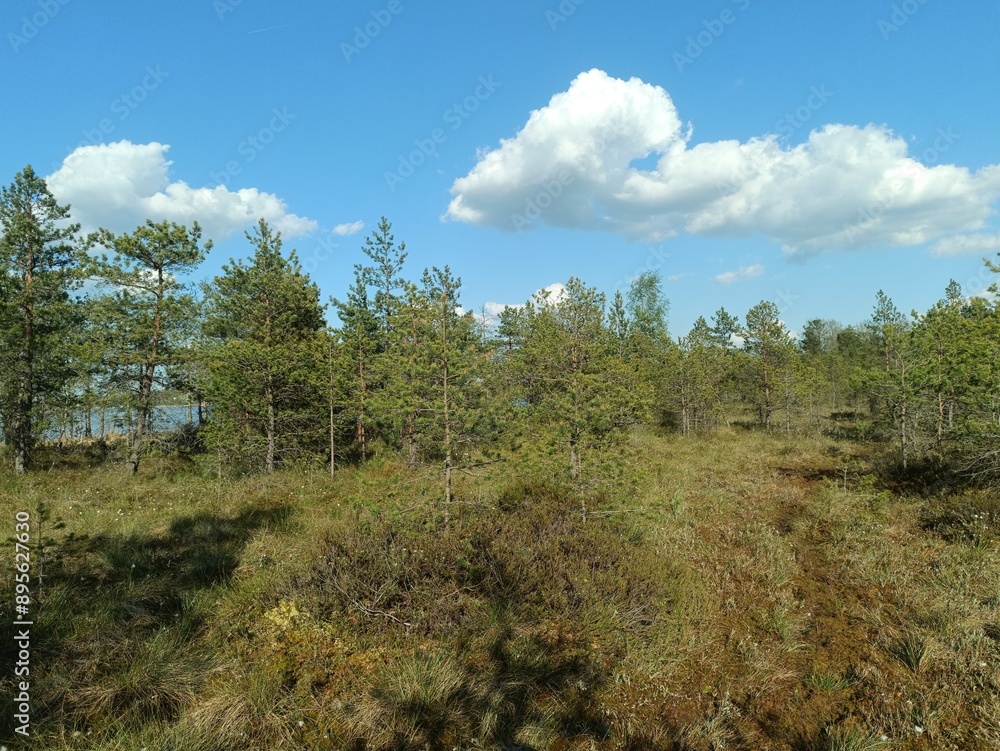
pixel 551 295
pixel 962 244
pixel 120 185
pixel 490 311
pixel 346 230
pixel 845 187
pixel 744 272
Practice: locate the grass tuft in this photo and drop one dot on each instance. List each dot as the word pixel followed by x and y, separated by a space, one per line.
pixel 849 739
pixel 911 650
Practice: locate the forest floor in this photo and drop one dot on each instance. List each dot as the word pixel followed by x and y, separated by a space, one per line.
pixel 737 591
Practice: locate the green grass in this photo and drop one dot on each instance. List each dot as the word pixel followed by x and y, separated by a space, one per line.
pixel 851 739
pixel 910 649
pixel 829 681
pixel 720 594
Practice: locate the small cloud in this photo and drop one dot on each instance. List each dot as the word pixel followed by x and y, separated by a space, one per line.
pixel 676 277
pixel 346 230
pixel 551 295
pixel 744 272
pixel 967 244
pixel 490 312
pixel 120 185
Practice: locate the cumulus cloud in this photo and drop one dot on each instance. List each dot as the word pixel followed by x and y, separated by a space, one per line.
pixel 490 311
pixel 346 230
pixel 744 272
pixel 120 185
pixel 551 295
pixel 963 244
pixel 574 164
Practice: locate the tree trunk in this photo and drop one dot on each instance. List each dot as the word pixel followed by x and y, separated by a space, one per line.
pixel 22 432
pixel 447 413
pixel 902 434
pixel 362 438
pixel 902 415
pixel 767 398
pixel 333 431
pixel 940 425
pixel 144 423
pixel 269 397
pixel 411 441
pixel 575 459
pixel 685 416
pixel 22 421
pixel 143 414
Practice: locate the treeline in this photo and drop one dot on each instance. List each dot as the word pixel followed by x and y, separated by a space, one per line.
pixel 108 321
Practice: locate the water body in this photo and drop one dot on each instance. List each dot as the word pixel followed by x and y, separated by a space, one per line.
pixel 114 420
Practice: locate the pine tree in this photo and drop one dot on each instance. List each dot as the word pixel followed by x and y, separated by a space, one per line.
pixel 894 379
pixel 694 377
pixel 451 349
pixel 39 267
pixel 648 308
pixel 359 336
pixel 726 327
pixel 384 276
pixel 724 334
pixel 770 344
pixel 619 324
pixel 955 346
pixel 408 371
pixel 387 292
pixel 267 359
pixel 567 376
pixel 148 313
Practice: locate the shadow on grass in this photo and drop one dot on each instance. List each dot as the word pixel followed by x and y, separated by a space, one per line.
pixel 514 618
pixel 117 623
pixel 514 688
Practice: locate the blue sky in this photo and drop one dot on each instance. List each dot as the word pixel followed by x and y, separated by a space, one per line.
pixel 805 153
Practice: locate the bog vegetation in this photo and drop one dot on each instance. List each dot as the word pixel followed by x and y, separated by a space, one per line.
pixel 422 529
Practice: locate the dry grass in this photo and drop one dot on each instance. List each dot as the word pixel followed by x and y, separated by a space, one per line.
pixel 726 592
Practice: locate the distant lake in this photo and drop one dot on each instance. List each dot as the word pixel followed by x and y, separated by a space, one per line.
pixel 164 418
